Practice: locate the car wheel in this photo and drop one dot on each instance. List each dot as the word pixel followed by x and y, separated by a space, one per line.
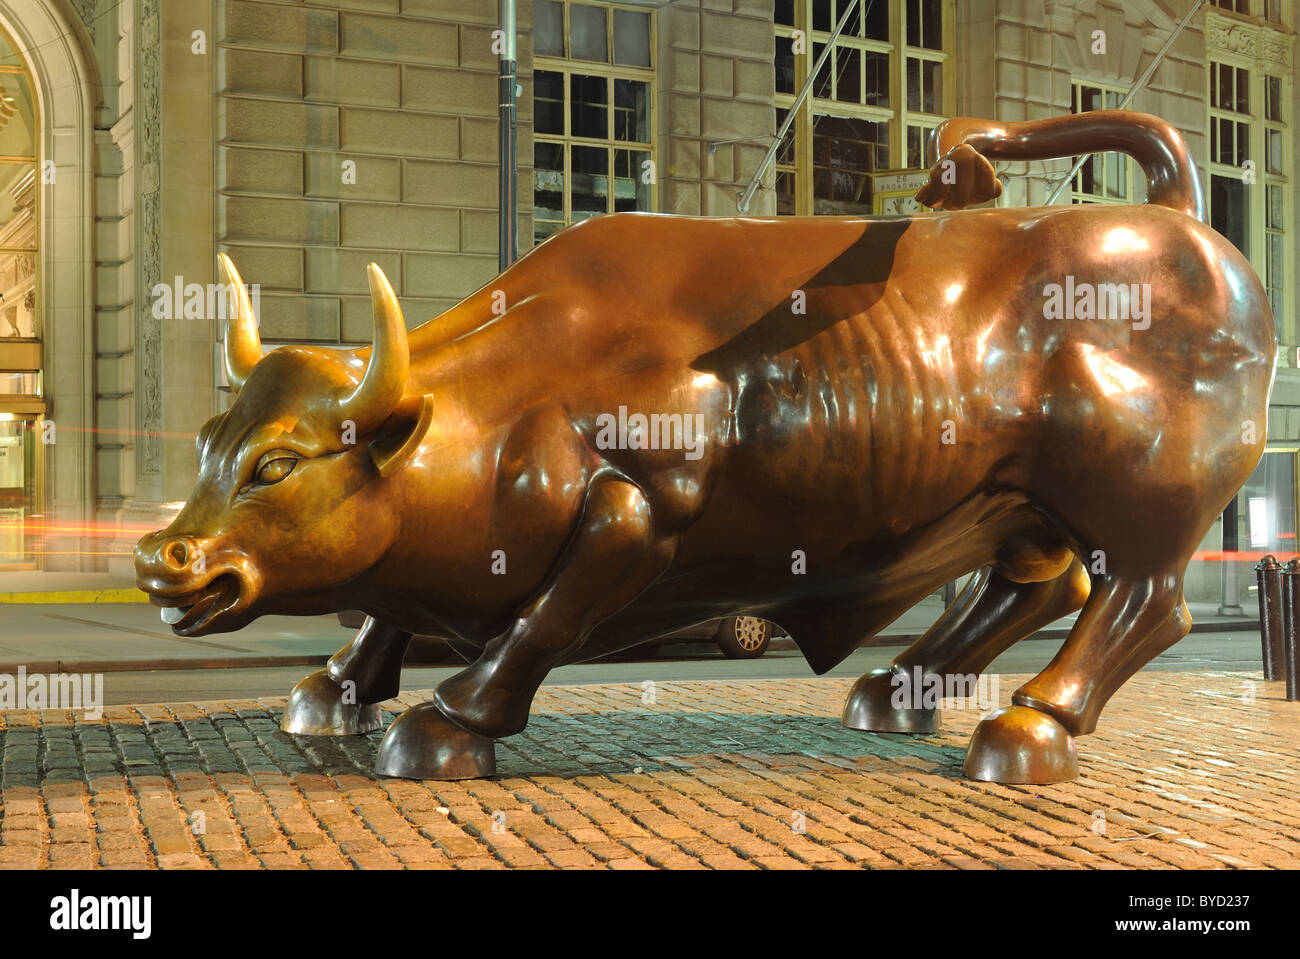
pixel 744 637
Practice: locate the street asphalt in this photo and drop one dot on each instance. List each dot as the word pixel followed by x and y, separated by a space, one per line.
pixel 144 662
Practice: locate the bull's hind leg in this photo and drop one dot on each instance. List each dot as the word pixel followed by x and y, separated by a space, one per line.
pixel 992 614
pixel 612 558
pixel 343 698
pixel 1124 625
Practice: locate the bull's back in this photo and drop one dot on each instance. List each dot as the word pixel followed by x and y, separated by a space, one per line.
pixel 882 366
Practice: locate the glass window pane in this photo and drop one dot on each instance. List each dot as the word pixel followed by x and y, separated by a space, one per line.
pixel 1243 92
pixel 932 24
pixel 17 488
pixel 548 28
pixel 17 117
pixel 631 110
pixel 1090 176
pixel 19 384
pixel 1273 150
pixel 1267 507
pixel 821 11
pixel 784 13
pixel 1276 270
pixel 1243 142
pixel 548 101
pixel 785 153
pixel 588 106
pixel 877 84
pixel 17 205
pixel 785 187
pixel 913 23
pixel 587 37
pixel 1230 211
pixel 1220 86
pixel 932 86
pixel 913 83
pixel 1275 207
pixel 548 183
pixel 918 144
pixel 853 28
pixel 1223 138
pixel 822 86
pixel 784 65
pixel 590 178
pixel 845 150
pixel 1273 98
pixel 1116 176
pixel 632 38
pixel 18 295
pixel 631 189
pixel 848 75
pixel 878 22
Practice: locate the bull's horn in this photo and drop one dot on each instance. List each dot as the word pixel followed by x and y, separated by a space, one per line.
pixel 243 346
pixel 385 379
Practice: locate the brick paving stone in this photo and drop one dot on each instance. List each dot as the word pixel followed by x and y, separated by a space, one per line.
pixel 742 774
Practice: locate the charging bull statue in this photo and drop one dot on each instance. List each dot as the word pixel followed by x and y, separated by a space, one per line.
pixel 653 421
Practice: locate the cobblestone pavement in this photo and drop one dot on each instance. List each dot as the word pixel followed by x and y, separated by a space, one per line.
pixel 1187 770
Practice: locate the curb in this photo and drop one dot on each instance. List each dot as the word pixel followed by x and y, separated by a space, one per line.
pixel 157 665
pixel 76 596
pixel 906 639
pixel 269 662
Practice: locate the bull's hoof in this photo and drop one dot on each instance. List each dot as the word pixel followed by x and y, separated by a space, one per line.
pixel 316 707
pixel 1023 746
pixel 422 743
pixel 881 703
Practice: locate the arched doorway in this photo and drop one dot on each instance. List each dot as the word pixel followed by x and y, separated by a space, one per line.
pixel 47 263
pixel 22 404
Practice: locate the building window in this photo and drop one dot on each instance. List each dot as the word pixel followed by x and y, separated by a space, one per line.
pixel 1230 151
pixel 1104 177
pixel 882 92
pixel 593 90
pixel 1233 6
pixel 1250 170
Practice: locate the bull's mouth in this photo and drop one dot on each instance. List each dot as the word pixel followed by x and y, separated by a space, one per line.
pixel 192 612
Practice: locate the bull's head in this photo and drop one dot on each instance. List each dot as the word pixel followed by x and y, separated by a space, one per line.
pixel 288 504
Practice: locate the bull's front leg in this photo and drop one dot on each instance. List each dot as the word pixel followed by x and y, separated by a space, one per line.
pixel 613 556
pixel 343 698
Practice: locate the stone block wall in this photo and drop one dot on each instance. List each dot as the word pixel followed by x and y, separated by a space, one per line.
pixel 357 131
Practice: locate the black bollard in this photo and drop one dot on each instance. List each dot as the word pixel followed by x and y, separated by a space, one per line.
pixel 1291 629
pixel 1268 576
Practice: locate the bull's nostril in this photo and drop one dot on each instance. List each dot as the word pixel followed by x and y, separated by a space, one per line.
pixel 176 554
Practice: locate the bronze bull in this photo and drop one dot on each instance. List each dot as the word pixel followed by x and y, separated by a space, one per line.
pixel 652 421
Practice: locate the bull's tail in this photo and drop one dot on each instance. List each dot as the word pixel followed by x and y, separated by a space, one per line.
pixel 1157 147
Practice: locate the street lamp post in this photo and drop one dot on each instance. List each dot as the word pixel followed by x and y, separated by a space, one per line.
pixel 507 98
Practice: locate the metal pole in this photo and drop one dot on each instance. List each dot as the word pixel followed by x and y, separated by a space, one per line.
pixel 747 196
pixel 1268 577
pixel 1230 602
pixel 508 194
pixel 1132 92
pixel 1290 624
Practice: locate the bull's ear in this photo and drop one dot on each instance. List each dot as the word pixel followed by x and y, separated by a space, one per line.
pixel 393 447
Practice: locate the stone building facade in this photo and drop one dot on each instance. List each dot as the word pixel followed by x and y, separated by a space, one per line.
pixel 308 138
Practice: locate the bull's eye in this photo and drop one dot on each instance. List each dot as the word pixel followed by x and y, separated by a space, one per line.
pixel 275 466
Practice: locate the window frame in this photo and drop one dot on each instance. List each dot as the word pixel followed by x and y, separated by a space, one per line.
pixel 1077 195
pixel 1261 238
pixel 567 67
pixel 895 114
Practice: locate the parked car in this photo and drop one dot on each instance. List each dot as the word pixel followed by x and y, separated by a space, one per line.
pixel 737 637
